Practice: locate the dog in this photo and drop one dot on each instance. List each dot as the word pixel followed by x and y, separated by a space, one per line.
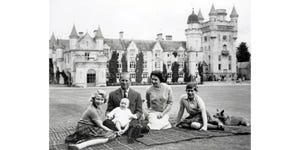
pixel 231 120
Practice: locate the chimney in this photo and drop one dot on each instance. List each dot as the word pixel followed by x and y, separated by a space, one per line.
pixel 159 37
pixel 121 33
pixel 169 37
pixel 80 34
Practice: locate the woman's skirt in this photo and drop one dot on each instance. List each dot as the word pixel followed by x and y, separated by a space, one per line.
pixel 158 124
pixel 86 132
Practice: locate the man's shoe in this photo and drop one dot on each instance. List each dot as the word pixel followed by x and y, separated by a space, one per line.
pixel 134 133
pixel 145 129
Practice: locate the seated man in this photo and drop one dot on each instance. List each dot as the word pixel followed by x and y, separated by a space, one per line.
pixel 135 100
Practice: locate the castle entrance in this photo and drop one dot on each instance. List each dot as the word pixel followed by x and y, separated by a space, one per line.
pixel 91 78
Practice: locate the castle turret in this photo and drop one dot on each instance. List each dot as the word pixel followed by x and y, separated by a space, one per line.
pixel 99 39
pixel 73 38
pixel 193 43
pixel 234 16
pixel 200 16
pixel 52 41
pixel 212 14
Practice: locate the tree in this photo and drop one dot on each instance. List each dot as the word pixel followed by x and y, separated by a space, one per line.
pixel 113 67
pixel 175 68
pixel 187 75
pixel 165 73
pixel 124 62
pixel 139 67
pixel 200 71
pixel 242 53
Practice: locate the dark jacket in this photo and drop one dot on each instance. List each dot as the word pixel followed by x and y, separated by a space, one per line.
pixel 134 97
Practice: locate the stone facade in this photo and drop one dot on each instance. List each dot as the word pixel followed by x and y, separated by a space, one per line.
pixel 84 57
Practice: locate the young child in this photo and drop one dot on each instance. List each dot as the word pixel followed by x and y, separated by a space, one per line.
pixel 90 130
pixel 122 116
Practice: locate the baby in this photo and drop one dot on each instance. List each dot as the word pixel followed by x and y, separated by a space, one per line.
pixel 122 116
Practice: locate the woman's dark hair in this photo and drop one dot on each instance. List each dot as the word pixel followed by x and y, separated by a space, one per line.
pixel 158 74
pixel 192 85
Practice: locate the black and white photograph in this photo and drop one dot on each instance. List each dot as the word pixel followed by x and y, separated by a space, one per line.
pixel 149 75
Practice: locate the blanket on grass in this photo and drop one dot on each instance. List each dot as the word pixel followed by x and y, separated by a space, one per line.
pixel 57 136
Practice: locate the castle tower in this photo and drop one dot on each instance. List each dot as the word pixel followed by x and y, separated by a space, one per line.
pixel 200 16
pixel 99 39
pixel 212 14
pixel 193 43
pixel 73 38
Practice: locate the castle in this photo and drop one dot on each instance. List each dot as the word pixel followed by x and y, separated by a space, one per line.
pixel 84 57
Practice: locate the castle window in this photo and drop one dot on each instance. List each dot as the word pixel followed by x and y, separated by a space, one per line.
pixel 145 64
pixel 132 75
pixel 132 52
pixel 229 66
pixel 224 37
pixel 229 58
pixel 180 74
pixel 87 55
pixel 169 64
pixel 219 57
pixel 145 75
pixel 157 53
pixel 132 64
pixel 119 65
pixel 224 47
pixel 205 39
pixel 219 66
pixel 157 64
pixel 169 74
pixel 209 57
pixel 168 54
pixel 181 64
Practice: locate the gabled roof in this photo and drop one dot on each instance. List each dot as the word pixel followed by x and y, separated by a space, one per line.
pixel 172 45
pixel 115 44
pixel 87 35
pixel 212 10
pixel 98 33
pixel 200 16
pixel 145 45
pixel 74 33
pixel 233 13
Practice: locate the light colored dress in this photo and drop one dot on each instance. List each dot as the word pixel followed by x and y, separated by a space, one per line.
pixel 157 100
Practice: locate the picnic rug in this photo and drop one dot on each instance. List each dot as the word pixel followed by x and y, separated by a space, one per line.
pixel 58 134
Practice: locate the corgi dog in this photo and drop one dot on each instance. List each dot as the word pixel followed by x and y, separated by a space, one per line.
pixel 231 120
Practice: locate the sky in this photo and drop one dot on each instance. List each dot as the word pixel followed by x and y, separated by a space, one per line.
pixel 139 19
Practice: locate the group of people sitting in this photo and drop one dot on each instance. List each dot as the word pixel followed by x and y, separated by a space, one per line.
pixel 125 114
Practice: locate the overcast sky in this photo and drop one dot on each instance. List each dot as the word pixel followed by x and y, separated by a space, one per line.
pixel 139 19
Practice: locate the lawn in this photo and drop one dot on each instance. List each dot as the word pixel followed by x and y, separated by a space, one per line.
pixel 67 105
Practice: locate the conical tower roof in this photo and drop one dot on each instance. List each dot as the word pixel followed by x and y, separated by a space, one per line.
pixel 200 16
pixel 74 33
pixel 52 37
pixel 99 33
pixel 233 13
pixel 212 10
